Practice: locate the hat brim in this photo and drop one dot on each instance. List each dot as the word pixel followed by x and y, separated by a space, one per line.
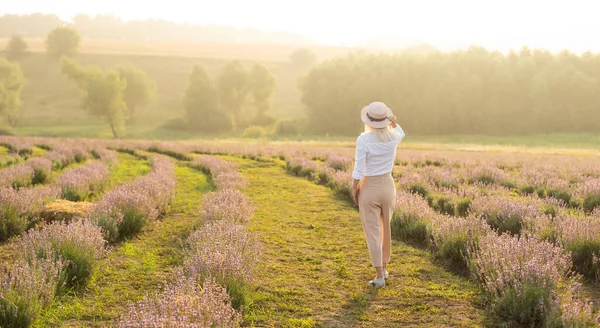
pixel 375 125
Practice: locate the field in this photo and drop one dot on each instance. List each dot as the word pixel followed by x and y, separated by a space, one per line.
pixel 122 233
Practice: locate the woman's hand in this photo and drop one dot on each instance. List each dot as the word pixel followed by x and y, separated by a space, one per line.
pixel 355 191
pixel 394 121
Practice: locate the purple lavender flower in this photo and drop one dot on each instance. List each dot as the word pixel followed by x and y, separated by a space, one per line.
pixel 18 176
pixel 82 182
pixel 228 204
pixel 77 244
pixel 183 304
pixel 27 287
pixel 20 208
pixel 221 249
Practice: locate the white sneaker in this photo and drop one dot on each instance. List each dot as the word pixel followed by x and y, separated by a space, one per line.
pixel 377 283
pixel 385 274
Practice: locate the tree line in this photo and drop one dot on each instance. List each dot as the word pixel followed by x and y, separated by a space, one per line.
pixel 473 91
pixel 113 27
pixel 119 95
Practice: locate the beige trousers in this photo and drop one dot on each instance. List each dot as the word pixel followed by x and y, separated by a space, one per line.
pixel 376 199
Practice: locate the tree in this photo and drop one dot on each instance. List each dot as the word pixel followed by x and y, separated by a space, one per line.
pixel 201 103
pixel 17 47
pixel 140 90
pixel 303 59
pixel 11 84
pixel 103 92
pixel 233 85
pixel 262 87
pixel 62 40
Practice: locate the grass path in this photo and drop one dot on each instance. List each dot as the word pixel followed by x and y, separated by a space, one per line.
pixel 314 266
pixel 138 266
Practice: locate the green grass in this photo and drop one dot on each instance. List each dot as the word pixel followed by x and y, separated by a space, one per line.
pixel 314 266
pixel 129 167
pixel 138 266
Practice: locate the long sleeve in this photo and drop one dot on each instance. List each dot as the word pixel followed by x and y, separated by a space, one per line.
pixel 360 160
pixel 399 132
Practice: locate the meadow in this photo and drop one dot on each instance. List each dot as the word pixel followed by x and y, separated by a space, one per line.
pixel 126 233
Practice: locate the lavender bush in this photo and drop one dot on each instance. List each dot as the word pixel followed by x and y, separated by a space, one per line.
pixel 488 174
pixel 26 288
pixel 411 218
pixel 123 212
pixel 339 163
pixel 83 182
pixel 41 169
pixel 229 204
pixel 18 176
pixel 591 194
pixel 503 213
pixel 581 237
pixel 183 304
pixel 221 249
pixel 78 245
pixel 19 209
pixel 453 237
pixel 520 276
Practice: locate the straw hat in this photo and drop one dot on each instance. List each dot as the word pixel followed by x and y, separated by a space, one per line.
pixel 376 115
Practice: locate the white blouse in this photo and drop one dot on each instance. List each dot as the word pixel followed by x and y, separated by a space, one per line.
pixel 375 157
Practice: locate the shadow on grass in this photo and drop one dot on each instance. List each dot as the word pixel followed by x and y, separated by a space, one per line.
pixel 354 310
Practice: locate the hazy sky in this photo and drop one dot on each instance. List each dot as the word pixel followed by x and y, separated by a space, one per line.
pixel 447 24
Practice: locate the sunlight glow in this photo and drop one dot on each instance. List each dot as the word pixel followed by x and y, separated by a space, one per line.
pixel 498 25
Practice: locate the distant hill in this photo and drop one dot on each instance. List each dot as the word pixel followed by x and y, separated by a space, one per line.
pixel 112 27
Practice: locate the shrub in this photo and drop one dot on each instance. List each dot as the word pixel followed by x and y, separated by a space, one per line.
pixel 19 208
pixel 453 237
pixel 503 213
pixel 77 245
pixel 123 212
pixel 565 196
pixel 183 304
pixel 410 218
pixel 26 288
pixel 463 207
pixel 581 237
pixel 339 163
pixel 527 190
pixel 591 193
pixel 441 204
pixel 83 182
pixel 41 169
pixel 255 132
pixel 520 277
pixel 409 229
pixel 488 174
pixel 229 205
pixel 417 188
pixel 18 176
pixel 226 251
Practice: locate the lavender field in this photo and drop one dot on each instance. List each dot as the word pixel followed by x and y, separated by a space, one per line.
pixel 97 233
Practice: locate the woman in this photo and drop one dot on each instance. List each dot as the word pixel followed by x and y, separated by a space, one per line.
pixel 373 189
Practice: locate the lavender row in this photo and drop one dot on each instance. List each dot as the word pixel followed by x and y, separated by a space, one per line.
pixel 83 182
pixel 37 170
pixel 51 262
pixel 221 253
pixel 125 209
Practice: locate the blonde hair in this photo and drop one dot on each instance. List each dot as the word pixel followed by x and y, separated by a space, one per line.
pixel 384 134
